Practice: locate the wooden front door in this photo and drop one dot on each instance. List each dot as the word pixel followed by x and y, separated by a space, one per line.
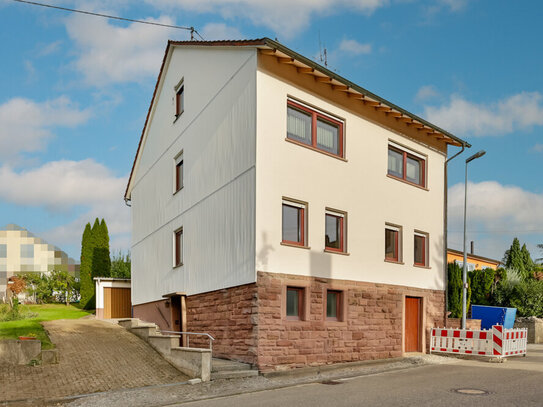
pixel 413 307
pixel 179 317
pixel 117 302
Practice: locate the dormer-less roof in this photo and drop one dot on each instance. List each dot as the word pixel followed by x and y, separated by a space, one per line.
pixel 322 74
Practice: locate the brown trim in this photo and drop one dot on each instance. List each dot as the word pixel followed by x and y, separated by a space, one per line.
pixel 294 245
pixel 407 182
pixel 298 143
pixel 336 252
pixel 405 155
pixel 393 262
pixel 306 303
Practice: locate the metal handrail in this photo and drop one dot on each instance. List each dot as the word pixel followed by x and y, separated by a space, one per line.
pixel 211 339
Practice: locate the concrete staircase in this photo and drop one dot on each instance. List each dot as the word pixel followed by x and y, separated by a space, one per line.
pixel 229 369
pixel 194 362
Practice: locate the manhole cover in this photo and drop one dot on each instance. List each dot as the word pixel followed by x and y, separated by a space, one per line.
pixel 471 392
pixel 331 382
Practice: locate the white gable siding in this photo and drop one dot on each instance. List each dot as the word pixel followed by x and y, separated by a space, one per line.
pixel 359 186
pixel 216 207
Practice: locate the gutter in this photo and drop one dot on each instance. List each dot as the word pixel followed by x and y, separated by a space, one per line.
pixel 445 219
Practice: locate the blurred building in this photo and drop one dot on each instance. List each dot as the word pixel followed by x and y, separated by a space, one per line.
pixel 21 251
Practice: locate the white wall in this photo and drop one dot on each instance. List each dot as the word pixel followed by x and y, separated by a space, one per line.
pixel 216 133
pixel 359 186
pixel 101 284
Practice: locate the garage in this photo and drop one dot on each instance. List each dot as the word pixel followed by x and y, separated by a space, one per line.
pixel 113 298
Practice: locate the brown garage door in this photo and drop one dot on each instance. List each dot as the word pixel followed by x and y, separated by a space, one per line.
pixel 117 302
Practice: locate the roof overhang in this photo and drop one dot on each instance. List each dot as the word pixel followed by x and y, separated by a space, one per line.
pixel 322 74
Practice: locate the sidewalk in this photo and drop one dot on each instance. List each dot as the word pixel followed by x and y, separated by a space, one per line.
pixel 178 393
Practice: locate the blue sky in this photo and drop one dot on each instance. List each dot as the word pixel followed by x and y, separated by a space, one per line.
pixel 75 89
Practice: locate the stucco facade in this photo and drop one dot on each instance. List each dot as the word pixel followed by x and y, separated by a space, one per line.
pixel 239 166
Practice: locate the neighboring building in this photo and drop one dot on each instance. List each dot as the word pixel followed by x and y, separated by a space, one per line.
pixel 21 251
pixel 475 262
pixel 293 215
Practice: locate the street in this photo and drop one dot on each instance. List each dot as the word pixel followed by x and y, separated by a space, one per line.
pixel 518 381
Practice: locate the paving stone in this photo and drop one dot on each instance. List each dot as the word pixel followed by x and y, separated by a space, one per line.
pixel 94 356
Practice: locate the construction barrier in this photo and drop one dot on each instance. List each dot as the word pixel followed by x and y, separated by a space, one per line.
pixel 496 342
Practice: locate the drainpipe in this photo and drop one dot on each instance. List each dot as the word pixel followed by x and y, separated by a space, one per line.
pixel 445 218
pixel 126 200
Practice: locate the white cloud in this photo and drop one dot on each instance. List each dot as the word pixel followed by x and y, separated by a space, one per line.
pixel 496 214
pixel 284 17
pixel 220 31
pixel 518 112
pixel 26 125
pixel 60 186
pixel 426 93
pixel 454 5
pixel 108 53
pixel 354 47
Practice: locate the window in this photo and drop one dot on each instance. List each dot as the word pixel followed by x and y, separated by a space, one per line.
pixel 178 248
pixel 295 303
pixel 407 166
pixel 421 249
pixel 178 173
pixel 27 250
pixel 334 305
pixel 294 227
pixel 180 99
pixel 335 231
pixel 3 251
pixel 315 129
pixel 392 243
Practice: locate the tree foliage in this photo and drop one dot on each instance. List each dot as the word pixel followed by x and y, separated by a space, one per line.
pixel 454 290
pixel 57 286
pixel 85 269
pixel 120 265
pixel 101 262
pixel 519 259
pixel 481 283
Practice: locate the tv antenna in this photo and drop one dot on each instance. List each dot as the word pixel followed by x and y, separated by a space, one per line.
pixel 323 53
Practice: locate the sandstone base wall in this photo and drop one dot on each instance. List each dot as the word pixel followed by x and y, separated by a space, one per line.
pixel 371 327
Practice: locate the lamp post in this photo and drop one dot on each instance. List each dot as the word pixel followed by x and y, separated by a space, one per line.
pixel 465 265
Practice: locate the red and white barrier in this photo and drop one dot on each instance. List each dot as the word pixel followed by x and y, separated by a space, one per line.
pixel 495 342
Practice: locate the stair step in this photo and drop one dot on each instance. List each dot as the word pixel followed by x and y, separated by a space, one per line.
pixel 231 374
pixel 220 365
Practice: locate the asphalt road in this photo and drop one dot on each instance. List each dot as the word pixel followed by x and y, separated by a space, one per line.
pixel 517 382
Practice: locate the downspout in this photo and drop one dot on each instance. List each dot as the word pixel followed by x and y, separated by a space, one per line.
pixel 445 219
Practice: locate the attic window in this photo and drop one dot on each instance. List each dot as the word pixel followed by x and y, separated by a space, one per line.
pixel 179 98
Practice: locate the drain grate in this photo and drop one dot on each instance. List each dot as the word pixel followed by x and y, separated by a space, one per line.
pixel 330 382
pixel 471 392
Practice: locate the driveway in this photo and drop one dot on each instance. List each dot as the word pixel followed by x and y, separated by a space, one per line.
pixel 95 356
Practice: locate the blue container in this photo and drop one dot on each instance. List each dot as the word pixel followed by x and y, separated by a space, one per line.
pixel 494 316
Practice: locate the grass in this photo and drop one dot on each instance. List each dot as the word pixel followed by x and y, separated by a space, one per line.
pixel 33 327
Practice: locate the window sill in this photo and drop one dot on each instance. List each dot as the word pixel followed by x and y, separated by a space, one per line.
pixel 334 322
pixel 294 245
pixel 407 182
pixel 177 116
pixel 337 252
pixel 394 261
pixel 178 190
pixel 178 266
pixel 300 322
pixel 422 267
pixel 316 149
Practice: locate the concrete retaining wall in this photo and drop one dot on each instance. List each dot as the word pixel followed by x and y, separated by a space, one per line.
pixel 534 326
pixel 194 362
pixel 17 352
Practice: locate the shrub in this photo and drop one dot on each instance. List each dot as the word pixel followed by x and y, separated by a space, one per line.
pixel 454 290
pixel 481 286
pixel 527 298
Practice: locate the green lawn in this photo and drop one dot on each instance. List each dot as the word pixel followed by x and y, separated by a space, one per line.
pixel 32 326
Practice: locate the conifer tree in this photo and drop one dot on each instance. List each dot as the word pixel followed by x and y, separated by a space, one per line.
pixel 514 258
pixel 101 262
pixel 87 283
pixel 527 261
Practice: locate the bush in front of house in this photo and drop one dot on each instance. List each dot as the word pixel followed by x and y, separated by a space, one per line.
pixel 454 290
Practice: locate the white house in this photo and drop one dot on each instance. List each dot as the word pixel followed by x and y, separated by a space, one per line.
pixel 21 251
pixel 293 215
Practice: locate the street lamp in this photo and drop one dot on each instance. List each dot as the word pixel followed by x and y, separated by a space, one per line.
pixel 465 265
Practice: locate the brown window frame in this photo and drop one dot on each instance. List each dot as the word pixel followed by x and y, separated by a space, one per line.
pixel 180 100
pixel 179 172
pixel 424 249
pixel 341 216
pixel 316 115
pixel 178 247
pixel 301 293
pixel 405 155
pixel 396 231
pixel 301 225
pixel 339 305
